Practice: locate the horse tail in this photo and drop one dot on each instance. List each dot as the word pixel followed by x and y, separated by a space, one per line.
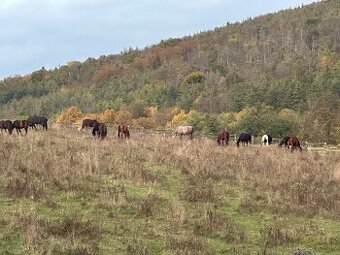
pixel 238 142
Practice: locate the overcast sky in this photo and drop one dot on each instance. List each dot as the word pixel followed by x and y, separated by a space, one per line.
pixel 49 33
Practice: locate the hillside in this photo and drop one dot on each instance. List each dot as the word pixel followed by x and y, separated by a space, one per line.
pixel 286 61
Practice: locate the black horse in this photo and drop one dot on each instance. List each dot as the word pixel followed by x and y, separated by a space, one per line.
pixel 244 138
pixel 100 129
pixel 40 120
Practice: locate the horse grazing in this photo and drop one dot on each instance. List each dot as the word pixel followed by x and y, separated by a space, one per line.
pixel 100 130
pixel 123 131
pixel 223 138
pixel 40 120
pixel 185 130
pixel 7 125
pixel 291 142
pixel 87 123
pixel 266 140
pixel 20 124
pixel 244 138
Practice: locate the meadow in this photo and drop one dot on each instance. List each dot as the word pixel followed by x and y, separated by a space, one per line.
pixel 64 192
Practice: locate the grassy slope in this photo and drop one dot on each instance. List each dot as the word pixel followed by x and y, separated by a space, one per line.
pixel 65 193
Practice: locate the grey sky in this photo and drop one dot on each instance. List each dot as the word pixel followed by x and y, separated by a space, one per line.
pixel 50 33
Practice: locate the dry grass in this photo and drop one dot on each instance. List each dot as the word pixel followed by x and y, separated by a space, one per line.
pixel 177 189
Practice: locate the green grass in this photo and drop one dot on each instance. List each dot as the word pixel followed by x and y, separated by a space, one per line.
pixel 137 197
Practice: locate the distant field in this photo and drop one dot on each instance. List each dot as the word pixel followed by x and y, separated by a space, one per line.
pixel 64 192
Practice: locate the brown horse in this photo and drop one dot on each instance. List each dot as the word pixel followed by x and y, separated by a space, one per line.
pixel 223 138
pixel 20 124
pixel 291 142
pixel 7 125
pixel 100 130
pixel 123 131
pixel 87 123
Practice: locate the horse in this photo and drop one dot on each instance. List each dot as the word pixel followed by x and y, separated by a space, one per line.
pixel 244 138
pixel 123 131
pixel 266 140
pixel 284 141
pixel 1 121
pixel 223 138
pixel 7 125
pixel 19 124
pixel 291 142
pixel 87 123
pixel 185 130
pixel 40 120
pixel 100 129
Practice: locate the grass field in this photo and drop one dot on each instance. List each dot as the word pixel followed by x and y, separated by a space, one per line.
pixel 63 192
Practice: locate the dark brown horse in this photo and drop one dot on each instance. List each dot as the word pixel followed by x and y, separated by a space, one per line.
pixel 102 130
pixel 7 125
pixel 20 124
pixel 123 131
pixel 88 123
pixel 291 142
pixel 223 138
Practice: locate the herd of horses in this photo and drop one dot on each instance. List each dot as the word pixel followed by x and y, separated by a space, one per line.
pixel 32 121
pixel 290 141
pixel 100 129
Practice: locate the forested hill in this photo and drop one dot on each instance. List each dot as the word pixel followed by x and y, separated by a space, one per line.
pixel 278 72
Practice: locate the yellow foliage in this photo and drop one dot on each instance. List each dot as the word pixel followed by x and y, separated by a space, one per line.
pixel 194 77
pixel 179 118
pixel 72 115
pixel 151 111
pixel 239 115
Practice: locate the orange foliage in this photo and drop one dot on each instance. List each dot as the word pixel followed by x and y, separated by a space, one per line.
pixel 72 115
pixel 107 116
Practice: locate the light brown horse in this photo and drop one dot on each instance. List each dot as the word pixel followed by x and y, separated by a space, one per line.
pixel 185 130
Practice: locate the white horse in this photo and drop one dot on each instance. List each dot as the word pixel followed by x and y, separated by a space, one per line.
pixel 266 140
